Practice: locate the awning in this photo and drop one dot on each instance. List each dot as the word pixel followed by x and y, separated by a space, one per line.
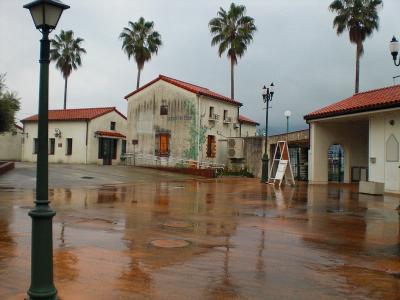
pixel 110 134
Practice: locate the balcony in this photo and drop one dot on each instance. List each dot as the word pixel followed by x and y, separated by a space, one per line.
pixel 227 120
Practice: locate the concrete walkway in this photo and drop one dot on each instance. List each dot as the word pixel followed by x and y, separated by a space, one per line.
pixel 72 175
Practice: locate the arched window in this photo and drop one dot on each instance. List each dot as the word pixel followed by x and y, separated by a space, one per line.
pixel 336 163
pixel 392 149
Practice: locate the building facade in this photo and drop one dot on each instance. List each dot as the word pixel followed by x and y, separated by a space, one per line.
pixel 11 144
pixel 173 118
pixel 248 127
pixel 79 136
pixel 364 131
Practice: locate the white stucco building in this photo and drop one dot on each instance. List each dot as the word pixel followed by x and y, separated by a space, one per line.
pixel 80 136
pixel 11 144
pixel 364 132
pixel 172 118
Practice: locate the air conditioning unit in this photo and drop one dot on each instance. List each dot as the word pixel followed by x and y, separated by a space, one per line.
pixel 235 148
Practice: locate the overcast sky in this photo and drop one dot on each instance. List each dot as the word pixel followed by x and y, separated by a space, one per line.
pixel 295 47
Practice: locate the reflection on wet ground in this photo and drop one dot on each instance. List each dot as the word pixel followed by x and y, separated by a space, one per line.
pixel 237 239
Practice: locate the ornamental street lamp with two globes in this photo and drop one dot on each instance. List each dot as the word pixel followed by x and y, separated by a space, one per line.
pixel 267 94
pixel 45 15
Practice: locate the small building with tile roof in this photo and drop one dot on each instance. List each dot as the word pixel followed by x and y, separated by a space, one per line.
pixel 248 127
pixel 357 139
pixel 81 136
pixel 172 118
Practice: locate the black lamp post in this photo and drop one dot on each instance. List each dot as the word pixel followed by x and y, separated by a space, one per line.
pixel 267 94
pixel 45 14
pixel 394 48
pixel 287 114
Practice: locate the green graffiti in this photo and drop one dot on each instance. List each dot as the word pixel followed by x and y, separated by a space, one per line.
pixel 197 137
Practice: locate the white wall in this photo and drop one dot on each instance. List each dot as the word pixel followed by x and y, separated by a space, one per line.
pixel 72 129
pixel 248 130
pixel 380 131
pixel 11 145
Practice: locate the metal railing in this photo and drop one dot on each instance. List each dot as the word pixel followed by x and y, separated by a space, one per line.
pixel 142 159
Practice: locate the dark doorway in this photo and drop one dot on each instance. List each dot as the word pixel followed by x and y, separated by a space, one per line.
pixel 107 150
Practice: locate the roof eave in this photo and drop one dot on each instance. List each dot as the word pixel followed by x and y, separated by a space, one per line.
pixel 349 112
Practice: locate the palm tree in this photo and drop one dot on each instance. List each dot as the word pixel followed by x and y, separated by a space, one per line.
pixel 360 18
pixel 141 41
pixel 66 52
pixel 232 32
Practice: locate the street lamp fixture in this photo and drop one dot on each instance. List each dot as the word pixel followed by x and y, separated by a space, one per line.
pixel 45 15
pixel 287 114
pixel 267 95
pixel 394 48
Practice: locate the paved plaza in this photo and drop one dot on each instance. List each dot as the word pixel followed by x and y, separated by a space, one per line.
pixel 132 233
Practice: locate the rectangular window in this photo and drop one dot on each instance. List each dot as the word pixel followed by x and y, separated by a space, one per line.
pixel 69 147
pixel 211 114
pixel 35 146
pixel 112 126
pixel 211 146
pixel 163 110
pixel 52 146
pixel 164 145
pixel 225 115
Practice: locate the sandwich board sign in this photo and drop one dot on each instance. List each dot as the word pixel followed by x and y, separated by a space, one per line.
pixel 281 167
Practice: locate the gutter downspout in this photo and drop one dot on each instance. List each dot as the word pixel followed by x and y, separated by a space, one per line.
pixel 87 132
pixel 240 124
pixel 198 130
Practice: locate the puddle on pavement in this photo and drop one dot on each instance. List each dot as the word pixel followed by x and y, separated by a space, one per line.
pixel 228 238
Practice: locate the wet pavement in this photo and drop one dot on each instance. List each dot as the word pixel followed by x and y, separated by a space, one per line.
pixel 185 238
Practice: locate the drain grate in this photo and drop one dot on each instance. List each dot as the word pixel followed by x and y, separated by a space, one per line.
pixel 87 177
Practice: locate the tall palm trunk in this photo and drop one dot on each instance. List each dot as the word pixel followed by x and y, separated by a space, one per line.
pixel 232 79
pixel 358 54
pixel 138 78
pixel 65 92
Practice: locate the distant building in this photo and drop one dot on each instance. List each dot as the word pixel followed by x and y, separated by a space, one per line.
pixel 80 136
pixel 11 144
pixel 172 118
pixel 358 137
pixel 248 127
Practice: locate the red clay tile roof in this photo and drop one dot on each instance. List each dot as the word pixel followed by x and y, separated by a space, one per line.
pixel 77 114
pixel 110 133
pixel 18 127
pixel 371 100
pixel 243 119
pixel 189 87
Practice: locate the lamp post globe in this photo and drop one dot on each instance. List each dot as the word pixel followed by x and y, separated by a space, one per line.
pixel 267 95
pixel 45 15
pixel 394 48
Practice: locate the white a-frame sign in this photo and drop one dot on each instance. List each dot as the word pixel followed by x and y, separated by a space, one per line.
pixel 281 167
